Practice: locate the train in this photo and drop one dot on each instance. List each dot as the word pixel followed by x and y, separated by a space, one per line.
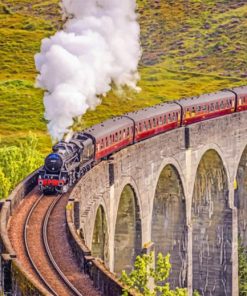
pixel 69 161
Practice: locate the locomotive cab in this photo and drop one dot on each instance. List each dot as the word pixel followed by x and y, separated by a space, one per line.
pixel 87 152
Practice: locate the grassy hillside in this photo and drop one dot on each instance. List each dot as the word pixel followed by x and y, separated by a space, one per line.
pixel 189 47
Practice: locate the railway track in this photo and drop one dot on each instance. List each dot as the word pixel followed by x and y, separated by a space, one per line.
pixel 49 274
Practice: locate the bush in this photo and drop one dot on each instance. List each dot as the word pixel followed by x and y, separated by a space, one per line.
pixel 16 162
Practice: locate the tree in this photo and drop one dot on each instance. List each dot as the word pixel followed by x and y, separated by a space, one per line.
pixel 143 274
pixel 16 162
pixel 5 185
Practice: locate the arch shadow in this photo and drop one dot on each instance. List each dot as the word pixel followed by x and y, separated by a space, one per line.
pixel 211 227
pixel 168 225
pixel 240 198
pixel 100 239
pixel 128 231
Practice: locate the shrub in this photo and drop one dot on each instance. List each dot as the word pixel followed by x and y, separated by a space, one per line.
pixel 16 162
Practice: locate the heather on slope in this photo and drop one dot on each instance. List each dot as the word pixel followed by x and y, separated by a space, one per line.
pixel 189 47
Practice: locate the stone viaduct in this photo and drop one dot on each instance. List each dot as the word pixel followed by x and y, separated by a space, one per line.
pixel 182 192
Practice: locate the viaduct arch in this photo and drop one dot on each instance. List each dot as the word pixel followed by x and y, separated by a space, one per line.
pixel 183 192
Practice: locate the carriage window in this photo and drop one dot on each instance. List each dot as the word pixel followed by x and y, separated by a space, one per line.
pixel 98 147
pixel 149 124
pixel 116 137
pixel 102 144
pixel 154 121
pixel 212 107
pixel 106 142
pixel 199 108
pixel 169 118
pixel 140 127
pixel 110 141
pixel 204 108
pixel 216 106
pixel 221 105
pixel 128 131
pixel 160 122
pixel 120 135
pixel 187 113
pixel 145 125
pixel 164 119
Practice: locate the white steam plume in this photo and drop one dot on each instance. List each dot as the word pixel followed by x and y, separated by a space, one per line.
pixel 99 45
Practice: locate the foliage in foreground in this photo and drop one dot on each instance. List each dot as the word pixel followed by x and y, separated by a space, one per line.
pixel 16 162
pixel 242 261
pixel 143 274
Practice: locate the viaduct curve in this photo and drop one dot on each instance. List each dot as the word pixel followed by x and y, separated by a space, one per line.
pixel 182 192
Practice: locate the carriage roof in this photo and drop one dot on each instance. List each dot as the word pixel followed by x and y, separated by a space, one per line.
pixel 206 98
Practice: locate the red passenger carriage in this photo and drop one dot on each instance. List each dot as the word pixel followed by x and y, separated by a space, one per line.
pixel 207 106
pixel 155 120
pixel 111 135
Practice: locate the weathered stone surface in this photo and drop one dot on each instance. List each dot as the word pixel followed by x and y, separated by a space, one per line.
pixel 168 224
pixel 141 166
pixel 212 228
pixel 100 236
pixel 128 242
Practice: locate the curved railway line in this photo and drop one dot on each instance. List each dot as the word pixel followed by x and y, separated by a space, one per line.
pixel 53 263
pixel 43 247
pixel 43 280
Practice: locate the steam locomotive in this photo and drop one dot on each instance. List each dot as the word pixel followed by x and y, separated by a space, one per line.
pixel 71 160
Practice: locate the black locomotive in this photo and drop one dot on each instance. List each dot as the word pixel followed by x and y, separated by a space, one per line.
pixel 67 163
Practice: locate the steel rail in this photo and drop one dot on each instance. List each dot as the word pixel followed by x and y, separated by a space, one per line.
pixel 48 250
pixel 28 251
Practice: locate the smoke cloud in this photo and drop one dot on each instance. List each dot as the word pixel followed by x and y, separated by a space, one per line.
pixel 98 46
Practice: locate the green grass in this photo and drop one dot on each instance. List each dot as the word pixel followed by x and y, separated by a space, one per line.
pixel 189 47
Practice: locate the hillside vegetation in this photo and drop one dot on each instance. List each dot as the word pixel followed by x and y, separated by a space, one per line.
pixel 189 47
